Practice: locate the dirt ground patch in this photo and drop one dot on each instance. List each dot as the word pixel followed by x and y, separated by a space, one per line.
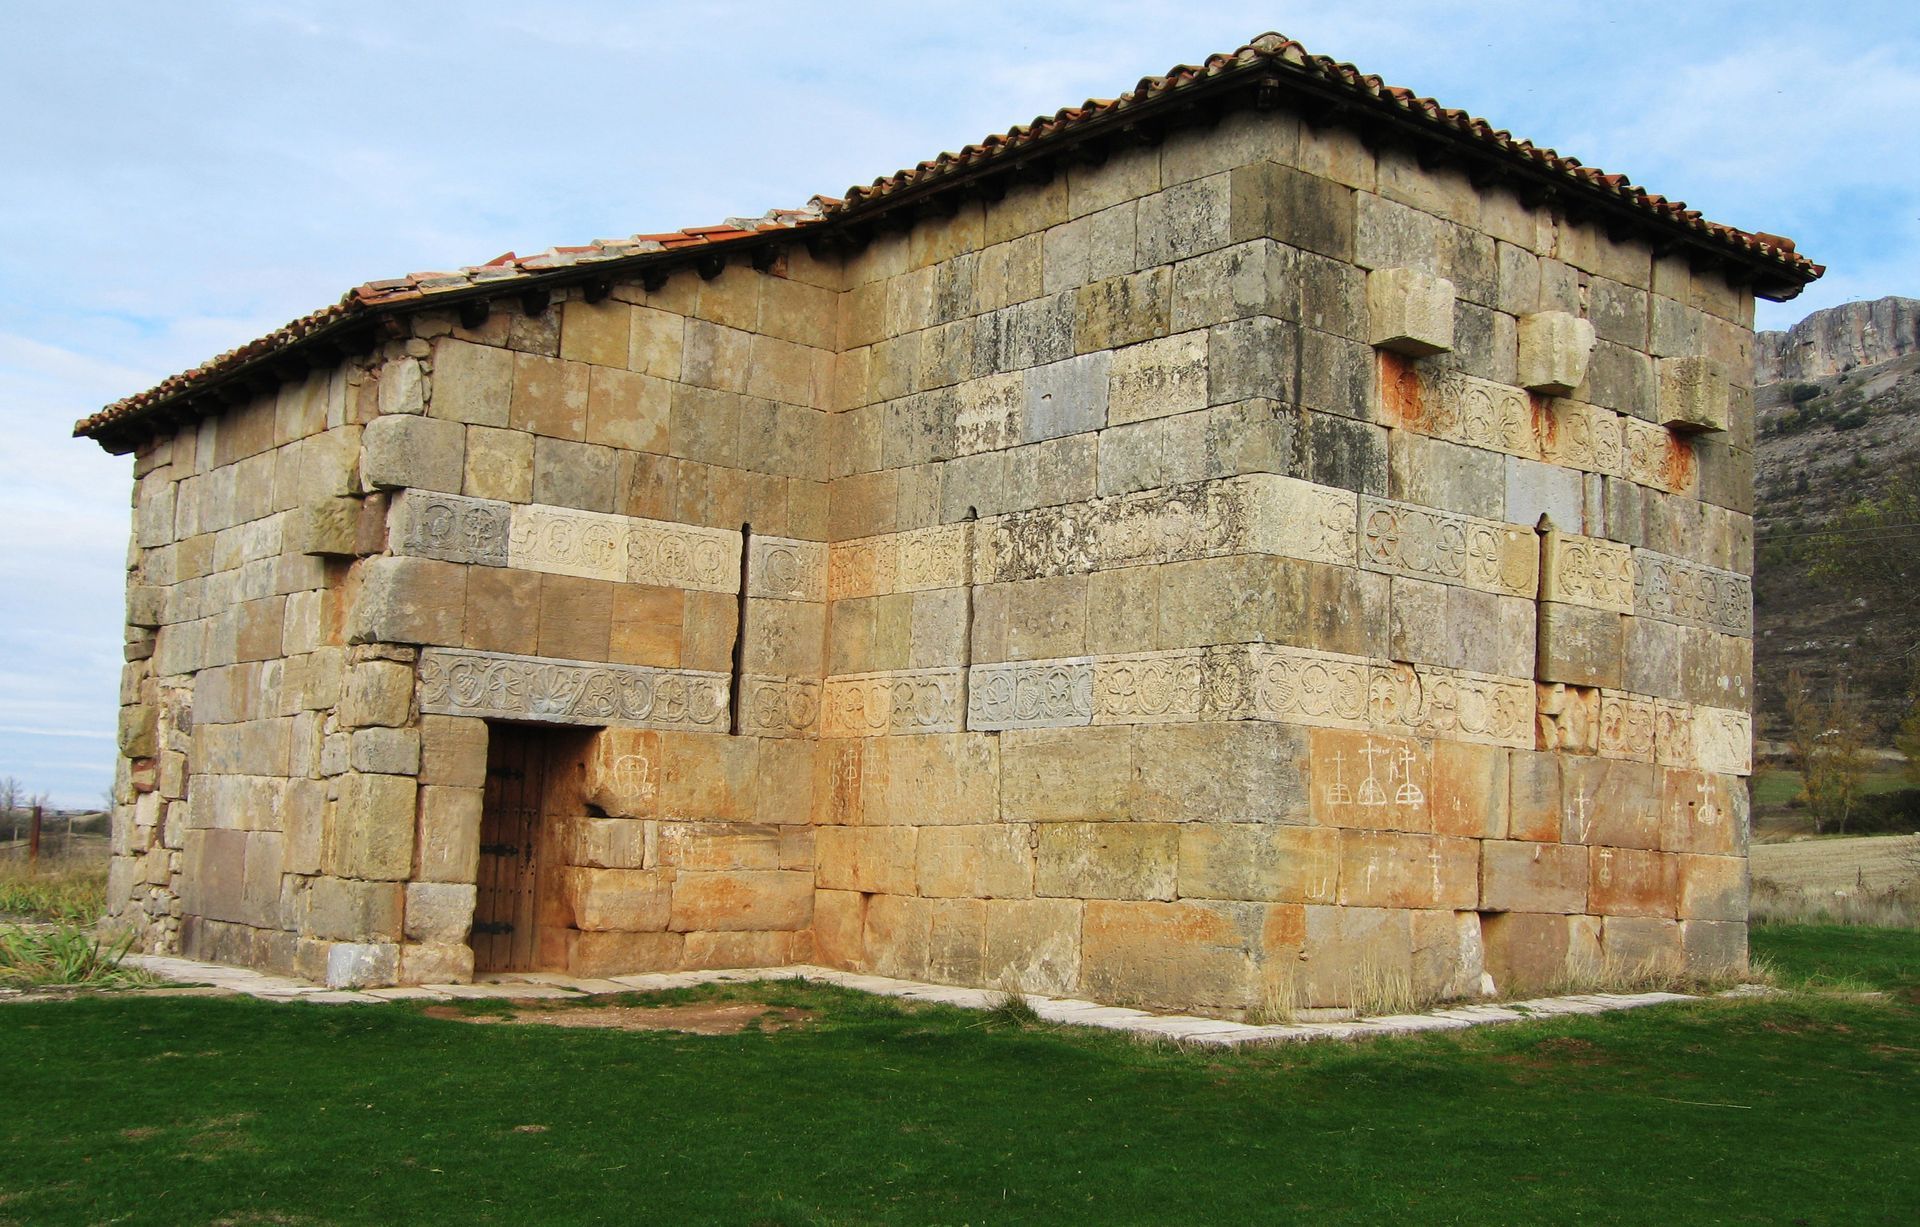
pixel 704 1018
pixel 1879 861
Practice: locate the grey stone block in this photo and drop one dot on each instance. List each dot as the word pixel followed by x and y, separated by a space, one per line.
pixel 406 450
pixel 1067 398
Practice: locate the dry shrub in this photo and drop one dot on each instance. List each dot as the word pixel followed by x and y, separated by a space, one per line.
pixel 73 893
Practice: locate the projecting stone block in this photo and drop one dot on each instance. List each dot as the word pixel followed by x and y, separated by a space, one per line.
pixel 327 528
pixel 409 600
pixel 1409 311
pixel 1554 347
pixel 1579 646
pixel 407 450
pixel 1694 394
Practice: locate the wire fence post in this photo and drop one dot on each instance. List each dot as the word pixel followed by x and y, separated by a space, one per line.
pixel 33 838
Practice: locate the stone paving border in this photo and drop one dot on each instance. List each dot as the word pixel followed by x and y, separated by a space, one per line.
pixel 1184 1028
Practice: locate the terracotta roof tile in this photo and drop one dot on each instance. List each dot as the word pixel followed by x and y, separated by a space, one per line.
pixel 1285 59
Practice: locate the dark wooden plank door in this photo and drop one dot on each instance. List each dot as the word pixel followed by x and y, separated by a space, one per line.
pixel 504 924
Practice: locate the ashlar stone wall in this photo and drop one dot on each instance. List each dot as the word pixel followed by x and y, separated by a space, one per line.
pixel 1237 576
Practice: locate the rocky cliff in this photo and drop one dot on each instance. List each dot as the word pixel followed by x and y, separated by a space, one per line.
pixel 1837 404
pixel 1838 340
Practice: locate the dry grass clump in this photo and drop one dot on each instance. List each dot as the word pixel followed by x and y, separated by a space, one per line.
pixel 1893 907
pixel 71 893
pixel 40 956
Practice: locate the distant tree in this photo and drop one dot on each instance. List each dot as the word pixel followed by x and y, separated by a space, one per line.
pixel 1828 744
pixel 1839 763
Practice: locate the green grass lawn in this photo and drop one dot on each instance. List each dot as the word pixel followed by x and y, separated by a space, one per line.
pixel 186 1110
pixel 1775 788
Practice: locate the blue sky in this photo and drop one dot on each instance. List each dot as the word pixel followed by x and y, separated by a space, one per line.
pixel 182 178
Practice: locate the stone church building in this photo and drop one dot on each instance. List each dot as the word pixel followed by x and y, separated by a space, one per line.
pixel 1232 547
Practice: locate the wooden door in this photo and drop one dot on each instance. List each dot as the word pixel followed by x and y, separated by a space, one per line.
pixel 504 915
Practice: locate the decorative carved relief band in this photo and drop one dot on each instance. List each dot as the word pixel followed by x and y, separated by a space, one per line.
pixel 682 556
pixel 456 683
pixel 1627 726
pixel 1406 539
pixel 1299 686
pixel 786 569
pixel 1587 571
pixel 1723 740
pixel 1256 514
pixel 877 704
pixel 1676 590
pixel 449 527
pixel 779 706
pixel 560 541
pixel 1475 412
pixel 1049 694
pixel 1581 436
pixel 1164 687
pixel 1654 456
pixel 913 561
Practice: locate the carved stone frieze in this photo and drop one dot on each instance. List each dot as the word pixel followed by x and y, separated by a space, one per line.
pixel 450 527
pixel 1168 687
pixel 1421 542
pixel 1043 694
pixel 1654 456
pixel 879 704
pixel 1587 571
pixel 1581 436
pixel 562 541
pixel 1627 726
pixel 492 684
pixel 787 570
pixel 682 556
pixel 1723 740
pixel 779 706
pixel 1677 590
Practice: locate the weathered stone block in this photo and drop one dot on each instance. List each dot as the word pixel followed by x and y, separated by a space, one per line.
pixel 406 450
pixel 1233 771
pixel 440 912
pixel 1579 646
pixel 623 773
pixel 386 751
pixel 1714 947
pixel 1192 954
pixel 1694 394
pixel 1032 945
pixel 634 900
pixel 1642 944
pixel 777 899
pixel 1713 888
pixel 471 383
pixel 342 910
pixel 1528 952
pixel 363 965
pixel 372 832
pixel 1158 378
pixel 449 838
pixel 620 953
pixel 327 528
pixel 1554 348
pixel 1352 953
pixel 1532 877
pixel 436 963
pixel 1632 882
pixel 409 600
pixel 869 859
pixel 1255 861
pixel 1397 870
pixel 1409 311
pixel 1107 860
